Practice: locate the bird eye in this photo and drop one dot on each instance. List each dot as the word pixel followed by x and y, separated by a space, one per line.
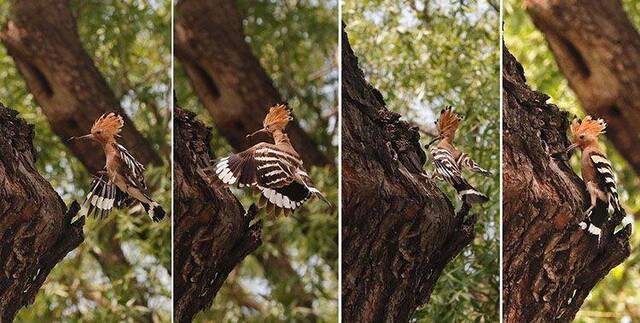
pixel 581 136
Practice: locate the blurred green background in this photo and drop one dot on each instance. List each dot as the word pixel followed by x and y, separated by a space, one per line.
pixel 617 297
pixel 422 59
pixel 302 62
pixel 130 43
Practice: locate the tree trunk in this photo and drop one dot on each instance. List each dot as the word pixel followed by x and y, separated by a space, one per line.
pixel 227 77
pixel 35 225
pixel 43 41
pixel 598 50
pixel 212 234
pixel 549 264
pixel 399 230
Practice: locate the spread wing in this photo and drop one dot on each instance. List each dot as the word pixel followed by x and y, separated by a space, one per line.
pixel 277 174
pixel 103 196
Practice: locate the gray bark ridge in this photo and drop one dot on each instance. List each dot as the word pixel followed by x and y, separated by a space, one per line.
pixel 549 264
pixel 35 225
pixel 212 231
pixel 399 230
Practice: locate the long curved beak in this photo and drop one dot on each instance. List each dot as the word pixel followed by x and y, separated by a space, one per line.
pixel 432 141
pixel 571 147
pixel 89 136
pixel 256 132
pixel 564 155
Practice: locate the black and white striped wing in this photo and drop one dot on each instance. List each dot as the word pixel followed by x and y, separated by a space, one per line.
pixel 103 196
pixel 131 169
pixel 446 167
pixel 238 169
pixel 277 174
pixel 278 178
pixel 606 179
pixel 465 162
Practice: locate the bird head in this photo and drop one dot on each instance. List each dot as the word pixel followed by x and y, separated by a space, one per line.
pixel 105 129
pixel 585 132
pixel 276 120
pixel 448 123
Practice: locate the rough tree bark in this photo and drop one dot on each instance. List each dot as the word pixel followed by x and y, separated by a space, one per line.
pixel 212 234
pixel 35 225
pixel 398 229
pixel 549 264
pixel 598 50
pixel 227 77
pixel 42 38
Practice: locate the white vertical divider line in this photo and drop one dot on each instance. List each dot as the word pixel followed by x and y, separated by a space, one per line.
pixel 172 116
pixel 339 34
pixel 501 31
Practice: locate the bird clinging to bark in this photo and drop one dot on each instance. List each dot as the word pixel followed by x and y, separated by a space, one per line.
pixel 449 161
pixel 274 171
pixel 597 174
pixel 121 182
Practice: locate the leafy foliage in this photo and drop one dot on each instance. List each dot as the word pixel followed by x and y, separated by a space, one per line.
pixel 296 43
pixel 423 59
pixel 130 43
pixel 617 296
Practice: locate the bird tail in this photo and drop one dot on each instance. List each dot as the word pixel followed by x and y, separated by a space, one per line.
pixel 627 219
pixel 596 219
pixel 323 198
pixel 468 193
pixel 155 211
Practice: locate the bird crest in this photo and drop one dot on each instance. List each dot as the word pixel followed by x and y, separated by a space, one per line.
pixel 448 122
pixel 278 117
pixel 587 127
pixel 109 125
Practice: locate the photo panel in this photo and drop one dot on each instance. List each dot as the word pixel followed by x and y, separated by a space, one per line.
pixel 569 161
pixel 256 155
pixel 420 161
pixel 85 155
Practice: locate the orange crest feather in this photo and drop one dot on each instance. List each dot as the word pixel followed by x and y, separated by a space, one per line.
pixel 110 123
pixel 448 123
pixel 278 117
pixel 588 127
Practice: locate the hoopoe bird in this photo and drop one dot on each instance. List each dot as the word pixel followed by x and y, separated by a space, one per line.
pixel 449 161
pixel 597 175
pixel 121 182
pixel 274 171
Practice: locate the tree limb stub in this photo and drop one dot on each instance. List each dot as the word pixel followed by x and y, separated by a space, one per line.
pixel 399 230
pixel 212 233
pixel 35 225
pixel 549 264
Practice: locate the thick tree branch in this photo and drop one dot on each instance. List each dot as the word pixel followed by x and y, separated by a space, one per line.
pixel 212 233
pixel 227 77
pixel 550 265
pixel 35 225
pixel 42 39
pixel 598 50
pixel 399 230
